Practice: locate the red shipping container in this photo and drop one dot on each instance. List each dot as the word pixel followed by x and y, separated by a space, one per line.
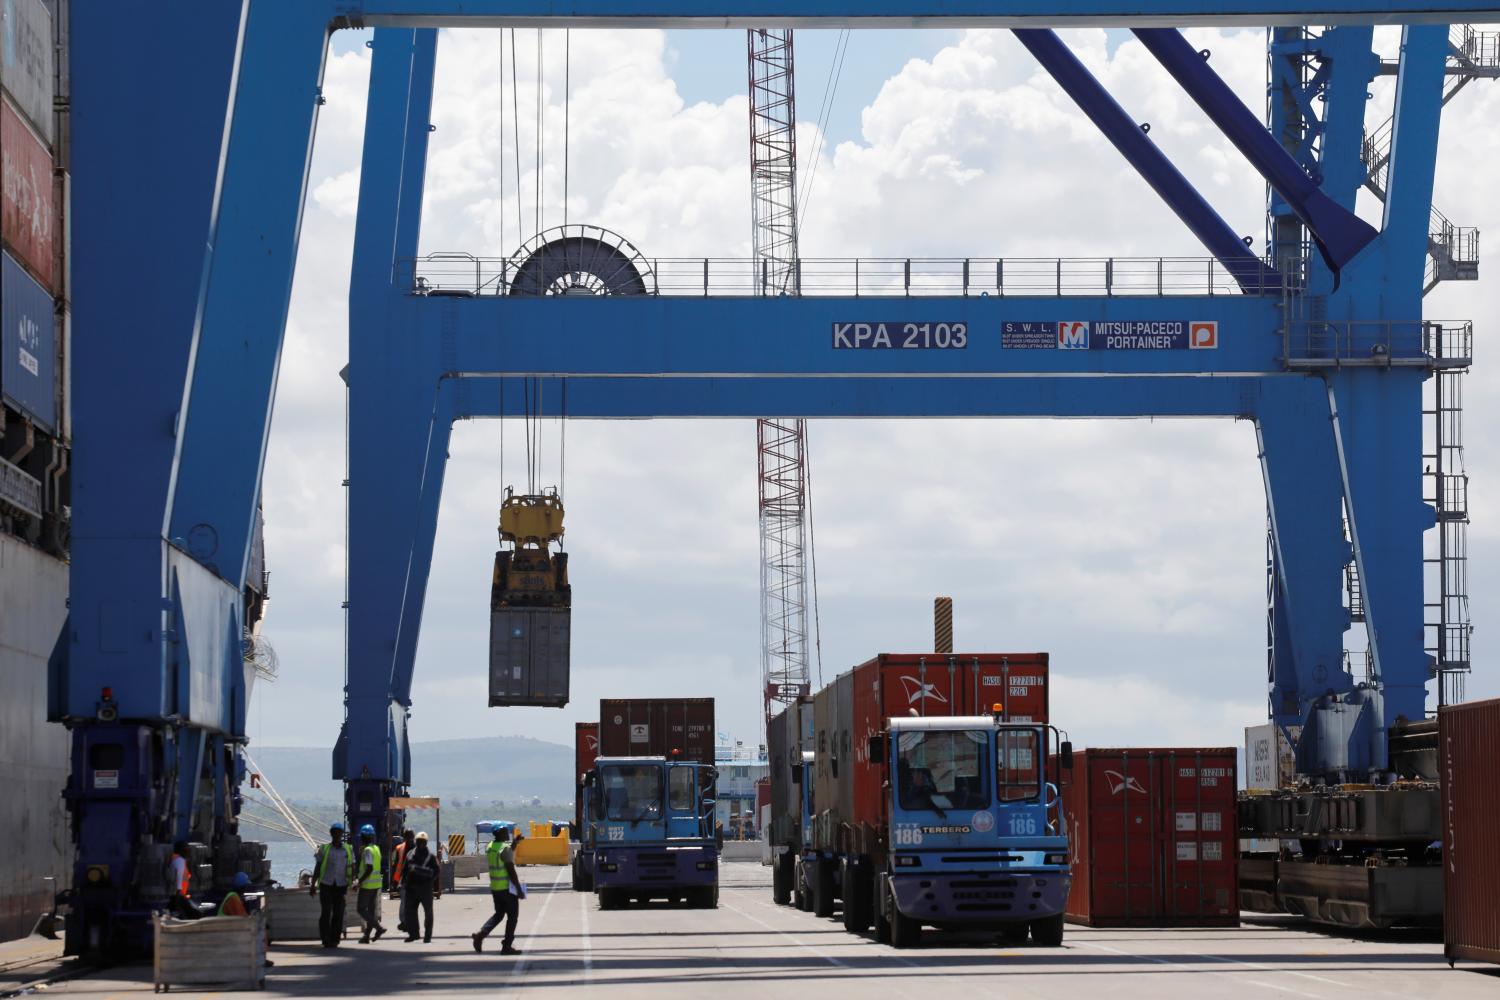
pixel 1152 837
pixel 585 750
pixel 656 727
pixel 1469 745
pixel 899 684
pixel 28 209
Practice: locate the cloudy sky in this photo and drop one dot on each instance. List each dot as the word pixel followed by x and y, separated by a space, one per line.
pixel 1132 551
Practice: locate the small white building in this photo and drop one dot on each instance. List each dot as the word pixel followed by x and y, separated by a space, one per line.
pixel 740 767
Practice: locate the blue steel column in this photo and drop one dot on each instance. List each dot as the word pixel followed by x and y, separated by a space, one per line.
pixel 1379 412
pixel 1304 494
pixel 400 416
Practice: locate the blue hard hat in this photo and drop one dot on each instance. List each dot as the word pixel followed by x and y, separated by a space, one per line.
pixel 241 880
pixel 337 826
pixel 367 830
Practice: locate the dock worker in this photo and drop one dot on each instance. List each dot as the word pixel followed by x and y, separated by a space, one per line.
pixel 505 890
pixel 333 868
pixel 370 883
pixel 181 904
pixel 398 871
pixel 421 883
pixel 234 903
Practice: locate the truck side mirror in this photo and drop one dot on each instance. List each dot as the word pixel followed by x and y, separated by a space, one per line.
pixel 876 747
pixel 1065 752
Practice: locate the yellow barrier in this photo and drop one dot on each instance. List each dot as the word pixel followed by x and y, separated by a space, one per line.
pixel 456 845
pixel 539 847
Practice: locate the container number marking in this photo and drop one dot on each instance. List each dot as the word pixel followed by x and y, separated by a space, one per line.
pixel 901 336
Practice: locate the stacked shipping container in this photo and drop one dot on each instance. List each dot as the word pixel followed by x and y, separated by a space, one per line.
pixel 1469 744
pixel 33 307
pixel 1153 836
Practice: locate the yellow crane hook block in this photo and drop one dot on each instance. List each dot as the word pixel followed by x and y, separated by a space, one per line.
pixel 530 605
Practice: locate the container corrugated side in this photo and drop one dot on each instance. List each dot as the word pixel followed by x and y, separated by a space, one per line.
pixel 585 750
pixel 655 727
pixel 784 757
pixel 28 340
pixel 1152 836
pixel 529 656
pixel 28 198
pixel 1469 741
pixel 27 61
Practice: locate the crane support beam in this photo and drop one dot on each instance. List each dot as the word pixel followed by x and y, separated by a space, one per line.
pixel 1150 162
pixel 896 13
pixel 1338 232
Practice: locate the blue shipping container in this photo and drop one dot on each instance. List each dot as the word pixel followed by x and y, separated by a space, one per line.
pixel 28 369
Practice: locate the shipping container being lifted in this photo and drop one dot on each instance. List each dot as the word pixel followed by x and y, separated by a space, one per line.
pixel 531 605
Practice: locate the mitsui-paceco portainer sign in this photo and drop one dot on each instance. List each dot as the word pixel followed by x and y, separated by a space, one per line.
pixel 28 369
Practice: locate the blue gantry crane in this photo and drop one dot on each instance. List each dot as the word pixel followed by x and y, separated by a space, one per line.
pixel 192 130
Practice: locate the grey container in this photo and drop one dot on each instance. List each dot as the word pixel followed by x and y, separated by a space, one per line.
pixel 529 655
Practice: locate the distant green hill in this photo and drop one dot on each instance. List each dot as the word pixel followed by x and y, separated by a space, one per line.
pixel 481 771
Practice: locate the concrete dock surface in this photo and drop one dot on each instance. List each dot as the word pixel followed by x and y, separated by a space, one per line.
pixel 751 948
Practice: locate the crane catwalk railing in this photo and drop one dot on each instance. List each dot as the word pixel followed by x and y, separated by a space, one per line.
pixel 463 274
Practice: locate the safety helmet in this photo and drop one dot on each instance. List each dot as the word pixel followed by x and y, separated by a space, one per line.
pixel 422 835
pixel 241 880
pixel 367 830
pixel 339 827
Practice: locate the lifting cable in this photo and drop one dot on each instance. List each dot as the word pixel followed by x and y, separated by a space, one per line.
pixel 515 108
pixel 537 187
pixel 825 112
pixel 567 114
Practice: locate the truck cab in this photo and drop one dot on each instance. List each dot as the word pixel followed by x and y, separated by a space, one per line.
pixel 650 830
pixel 976 835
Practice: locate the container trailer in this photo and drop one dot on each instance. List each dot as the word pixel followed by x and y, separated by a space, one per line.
pixel 648 828
pixel 931 800
pixel 585 752
pixel 789 740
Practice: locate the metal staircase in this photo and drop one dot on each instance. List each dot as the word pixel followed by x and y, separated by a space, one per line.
pixel 1453 251
pixel 1448 621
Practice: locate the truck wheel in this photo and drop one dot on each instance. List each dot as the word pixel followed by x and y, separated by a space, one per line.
pixel 822 879
pixel 1013 936
pixel 1048 932
pixel 905 932
pixel 781 880
pixel 708 899
pixel 577 878
pixel 856 898
pixel 611 899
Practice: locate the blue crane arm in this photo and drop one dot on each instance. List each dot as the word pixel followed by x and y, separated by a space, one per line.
pixel 1151 163
pixel 1338 233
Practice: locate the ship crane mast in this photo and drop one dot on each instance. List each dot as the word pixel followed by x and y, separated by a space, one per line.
pixel 781 442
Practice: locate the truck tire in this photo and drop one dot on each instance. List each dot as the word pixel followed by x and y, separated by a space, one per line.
pixel 1048 932
pixel 577 877
pixel 822 880
pixel 1014 935
pixel 882 908
pixel 707 898
pixel 781 879
pixel 611 899
pixel 905 932
pixel 856 897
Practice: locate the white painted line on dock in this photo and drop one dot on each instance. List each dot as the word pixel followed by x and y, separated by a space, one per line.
pixel 790 937
pixel 521 963
pixel 585 903
pixel 1188 965
pixel 1290 972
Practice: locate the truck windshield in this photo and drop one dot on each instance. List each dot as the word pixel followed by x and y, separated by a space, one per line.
pixel 632 792
pixel 942 770
pixel 1019 773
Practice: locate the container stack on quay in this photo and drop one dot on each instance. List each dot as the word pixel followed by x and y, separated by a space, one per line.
pixel 1469 749
pixel 1154 837
pixel 35 452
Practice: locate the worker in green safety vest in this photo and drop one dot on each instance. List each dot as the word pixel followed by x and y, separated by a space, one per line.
pixel 333 871
pixel 370 883
pixel 505 889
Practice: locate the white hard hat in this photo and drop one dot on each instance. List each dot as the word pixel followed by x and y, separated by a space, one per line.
pixel 422 835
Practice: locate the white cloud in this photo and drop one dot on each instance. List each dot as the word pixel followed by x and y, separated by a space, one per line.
pixel 1133 551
